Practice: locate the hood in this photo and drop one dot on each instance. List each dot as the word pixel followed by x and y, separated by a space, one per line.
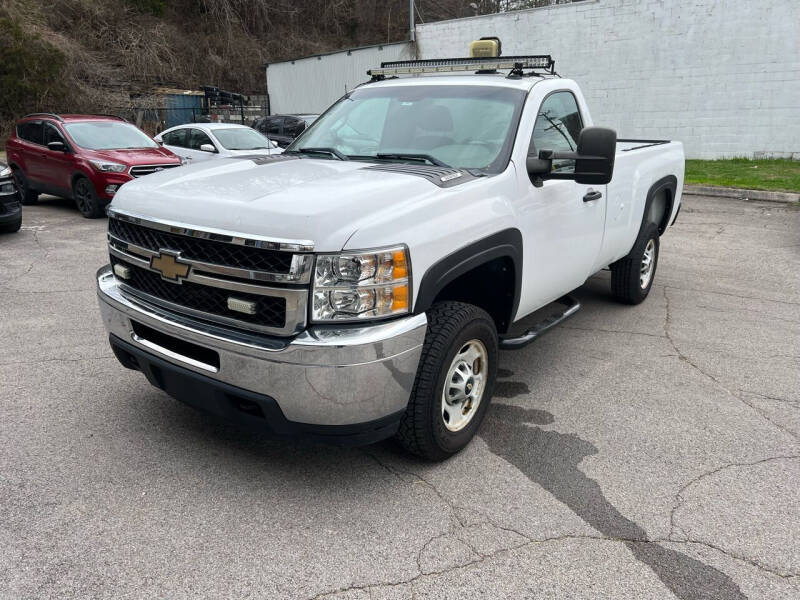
pixel 260 152
pixel 137 156
pixel 306 200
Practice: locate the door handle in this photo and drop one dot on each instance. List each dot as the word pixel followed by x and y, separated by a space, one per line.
pixel 592 195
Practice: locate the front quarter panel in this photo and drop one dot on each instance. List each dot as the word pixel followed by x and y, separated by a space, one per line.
pixel 441 223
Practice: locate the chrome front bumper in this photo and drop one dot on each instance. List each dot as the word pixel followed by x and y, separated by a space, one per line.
pixel 324 376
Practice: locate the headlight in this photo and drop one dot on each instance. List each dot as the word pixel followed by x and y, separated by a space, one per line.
pixel 108 167
pixel 359 286
pixel 5 172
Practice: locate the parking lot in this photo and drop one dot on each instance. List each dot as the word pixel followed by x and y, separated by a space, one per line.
pixel 635 452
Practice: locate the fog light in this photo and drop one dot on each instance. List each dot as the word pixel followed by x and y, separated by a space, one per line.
pixel 122 271
pixel 242 306
pixel 111 189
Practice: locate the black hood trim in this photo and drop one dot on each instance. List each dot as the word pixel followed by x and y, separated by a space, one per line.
pixel 443 177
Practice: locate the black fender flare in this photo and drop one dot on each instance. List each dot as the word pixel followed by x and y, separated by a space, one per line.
pixel 505 243
pixel 670 184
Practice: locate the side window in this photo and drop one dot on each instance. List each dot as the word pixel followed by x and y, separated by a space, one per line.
pixel 197 138
pixel 557 127
pixel 293 127
pixel 175 138
pixel 52 134
pixel 274 125
pixel 30 131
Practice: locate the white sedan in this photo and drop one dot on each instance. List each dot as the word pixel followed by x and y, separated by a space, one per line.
pixel 198 142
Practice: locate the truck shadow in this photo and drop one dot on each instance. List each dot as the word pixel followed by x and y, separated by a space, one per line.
pixel 551 459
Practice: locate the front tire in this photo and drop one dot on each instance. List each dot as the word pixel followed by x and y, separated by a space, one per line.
pixel 632 276
pixel 86 198
pixel 454 384
pixel 28 197
pixel 13 226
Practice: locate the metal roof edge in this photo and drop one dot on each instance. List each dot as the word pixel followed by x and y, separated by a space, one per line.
pixel 348 50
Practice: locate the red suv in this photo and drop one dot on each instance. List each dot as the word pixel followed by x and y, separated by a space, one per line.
pixel 83 157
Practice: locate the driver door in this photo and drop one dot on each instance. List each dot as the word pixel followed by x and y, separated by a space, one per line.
pixel 59 164
pixel 564 220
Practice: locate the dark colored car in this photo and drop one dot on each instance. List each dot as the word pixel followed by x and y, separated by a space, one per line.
pixel 10 208
pixel 283 128
pixel 82 157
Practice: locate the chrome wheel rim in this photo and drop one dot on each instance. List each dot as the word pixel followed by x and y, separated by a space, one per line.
pixel 648 262
pixel 464 385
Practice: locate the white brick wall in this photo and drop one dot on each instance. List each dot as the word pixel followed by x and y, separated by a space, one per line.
pixel 723 76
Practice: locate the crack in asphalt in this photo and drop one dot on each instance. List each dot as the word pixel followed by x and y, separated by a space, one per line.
pixel 683 357
pixel 679 499
pixel 68 291
pixel 642 545
pixel 550 459
pixel 740 297
pixel 686 577
pixel 773 398
pixel 51 360
pixel 30 266
pixel 612 331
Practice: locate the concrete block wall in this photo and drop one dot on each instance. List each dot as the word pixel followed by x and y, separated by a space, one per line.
pixel 723 76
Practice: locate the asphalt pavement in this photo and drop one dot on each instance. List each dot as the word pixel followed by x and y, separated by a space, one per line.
pixel 634 452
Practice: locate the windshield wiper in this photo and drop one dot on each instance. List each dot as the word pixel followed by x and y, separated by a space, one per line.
pixel 332 151
pixel 404 156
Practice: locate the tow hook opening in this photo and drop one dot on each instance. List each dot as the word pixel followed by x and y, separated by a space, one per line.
pixel 247 407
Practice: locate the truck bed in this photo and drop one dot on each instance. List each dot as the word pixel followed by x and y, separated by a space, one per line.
pixel 639 165
pixel 627 145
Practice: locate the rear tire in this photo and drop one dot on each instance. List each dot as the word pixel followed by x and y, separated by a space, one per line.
pixel 454 384
pixel 28 197
pixel 86 198
pixel 632 276
pixel 13 226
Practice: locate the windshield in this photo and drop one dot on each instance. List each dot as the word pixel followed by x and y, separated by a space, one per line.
pixel 108 135
pixel 241 139
pixel 464 126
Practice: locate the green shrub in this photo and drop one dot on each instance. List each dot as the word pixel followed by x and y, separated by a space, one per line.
pixel 153 7
pixel 31 73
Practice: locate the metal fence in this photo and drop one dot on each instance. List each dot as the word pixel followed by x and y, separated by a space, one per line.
pixel 155 120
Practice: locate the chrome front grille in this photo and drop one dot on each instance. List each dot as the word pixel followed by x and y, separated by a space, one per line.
pixel 202 250
pixel 269 311
pixel 222 277
pixel 141 170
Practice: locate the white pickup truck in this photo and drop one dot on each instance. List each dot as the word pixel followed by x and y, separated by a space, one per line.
pixel 361 284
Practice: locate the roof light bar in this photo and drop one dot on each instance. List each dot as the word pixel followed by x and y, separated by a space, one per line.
pixel 448 65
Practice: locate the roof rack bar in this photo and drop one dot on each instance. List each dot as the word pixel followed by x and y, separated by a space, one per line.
pixel 44 114
pixel 111 116
pixel 449 65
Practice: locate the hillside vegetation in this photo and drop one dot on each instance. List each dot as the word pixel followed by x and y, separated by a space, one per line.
pixel 104 55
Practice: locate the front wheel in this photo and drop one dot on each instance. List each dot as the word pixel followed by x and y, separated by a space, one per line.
pixel 86 198
pixel 632 276
pixel 12 226
pixel 28 197
pixel 455 381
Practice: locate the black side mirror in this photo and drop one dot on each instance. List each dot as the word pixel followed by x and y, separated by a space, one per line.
pixel 57 146
pixel 594 159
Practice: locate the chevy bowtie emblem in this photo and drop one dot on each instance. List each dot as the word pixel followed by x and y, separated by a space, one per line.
pixel 168 264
